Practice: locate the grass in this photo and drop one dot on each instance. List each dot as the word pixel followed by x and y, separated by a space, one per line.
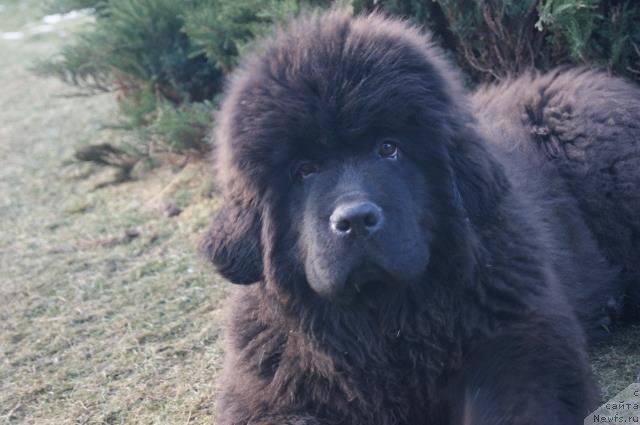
pixel 107 315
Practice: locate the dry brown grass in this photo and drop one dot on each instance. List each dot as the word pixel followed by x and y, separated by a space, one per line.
pixel 106 313
pixel 97 325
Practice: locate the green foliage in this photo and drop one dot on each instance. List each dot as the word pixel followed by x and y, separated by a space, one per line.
pixel 138 42
pixel 138 49
pixel 156 126
pixel 137 108
pixel 182 129
pixel 79 64
pixel 494 38
pixel 166 59
pixel 222 28
pixel 603 32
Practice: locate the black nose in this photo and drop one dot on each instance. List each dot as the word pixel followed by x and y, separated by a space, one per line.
pixel 356 218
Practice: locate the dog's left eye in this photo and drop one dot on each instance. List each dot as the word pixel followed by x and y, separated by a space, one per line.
pixel 388 149
pixel 305 169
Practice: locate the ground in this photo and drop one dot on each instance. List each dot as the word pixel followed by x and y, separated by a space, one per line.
pixel 107 313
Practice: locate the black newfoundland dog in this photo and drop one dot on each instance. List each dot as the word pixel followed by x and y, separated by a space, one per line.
pixel 412 255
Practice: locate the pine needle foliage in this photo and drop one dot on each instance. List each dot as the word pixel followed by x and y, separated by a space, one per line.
pixel 167 59
pixel 138 49
pixel 491 39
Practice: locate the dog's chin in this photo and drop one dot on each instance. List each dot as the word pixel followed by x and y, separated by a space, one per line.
pixel 364 284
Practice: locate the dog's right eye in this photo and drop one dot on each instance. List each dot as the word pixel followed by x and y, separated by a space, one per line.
pixel 304 169
pixel 388 149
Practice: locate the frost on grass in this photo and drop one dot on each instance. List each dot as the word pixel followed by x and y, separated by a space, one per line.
pixel 48 24
pixel 61 17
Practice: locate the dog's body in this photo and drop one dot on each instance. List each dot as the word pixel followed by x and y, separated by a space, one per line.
pixel 571 142
pixel 409 263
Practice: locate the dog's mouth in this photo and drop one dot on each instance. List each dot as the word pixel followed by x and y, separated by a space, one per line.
pixel 363 277
pixel 366 282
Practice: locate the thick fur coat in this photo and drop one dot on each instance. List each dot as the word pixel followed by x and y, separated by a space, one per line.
pixel 526 200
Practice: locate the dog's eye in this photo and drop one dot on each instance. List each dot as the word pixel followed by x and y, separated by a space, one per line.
pixel 304 169
pixel 388 149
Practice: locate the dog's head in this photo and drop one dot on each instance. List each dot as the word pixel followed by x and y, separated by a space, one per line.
pixel 348 159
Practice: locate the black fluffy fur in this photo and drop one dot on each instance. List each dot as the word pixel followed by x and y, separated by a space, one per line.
pixel 535 185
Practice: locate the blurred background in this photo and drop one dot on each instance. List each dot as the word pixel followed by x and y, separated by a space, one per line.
pixel 107 314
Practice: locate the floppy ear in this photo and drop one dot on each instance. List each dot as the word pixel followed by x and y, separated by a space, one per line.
pixel 478 177
pixel 232 244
